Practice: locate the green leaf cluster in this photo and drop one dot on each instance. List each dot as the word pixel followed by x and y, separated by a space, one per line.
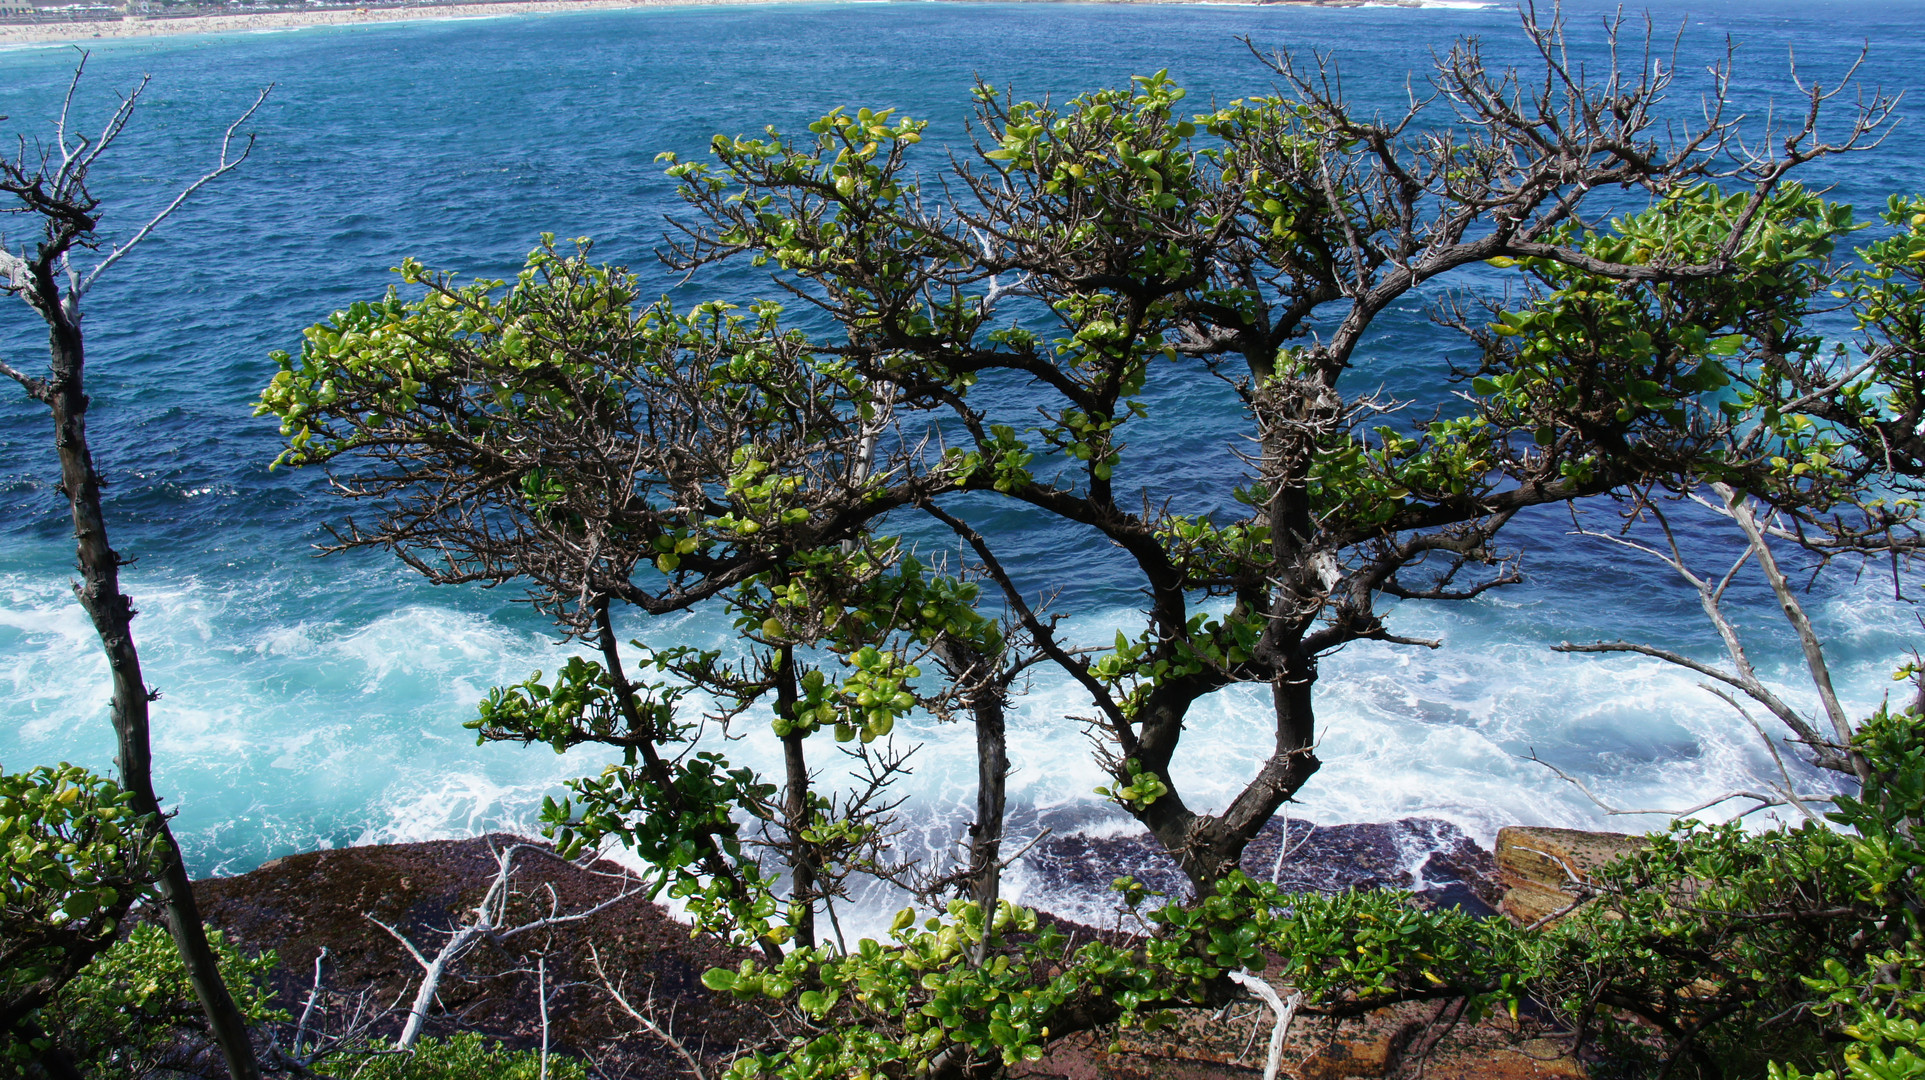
pixel 74 857
pixel 1665 368
pixel 890 1008
pixel 465 1055
pixel 133 1010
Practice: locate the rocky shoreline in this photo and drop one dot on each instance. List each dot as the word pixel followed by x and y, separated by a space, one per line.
pixel 1428 856
pixel 335 920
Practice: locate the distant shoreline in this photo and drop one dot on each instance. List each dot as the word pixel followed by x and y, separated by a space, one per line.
pixel 80 32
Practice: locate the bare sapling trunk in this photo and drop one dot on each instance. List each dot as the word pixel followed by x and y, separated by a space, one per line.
pixel 992 773
pixel 984 685
pixel 53 188
pixel 112 612
pixel 1758 523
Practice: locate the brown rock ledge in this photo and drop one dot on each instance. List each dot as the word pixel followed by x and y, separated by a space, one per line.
pixel 1538 867
pixel 298 904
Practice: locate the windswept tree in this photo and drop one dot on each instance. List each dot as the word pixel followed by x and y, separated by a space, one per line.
pixel 1087 263
pixel 605 454
pixel 45 183
pixel 1086 256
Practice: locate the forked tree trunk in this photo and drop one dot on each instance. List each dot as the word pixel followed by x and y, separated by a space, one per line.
pixel 112 613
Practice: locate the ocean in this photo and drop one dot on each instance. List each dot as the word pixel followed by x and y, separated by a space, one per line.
pixel 318 702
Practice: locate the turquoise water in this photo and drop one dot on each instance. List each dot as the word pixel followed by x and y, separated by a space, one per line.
pixel 318 702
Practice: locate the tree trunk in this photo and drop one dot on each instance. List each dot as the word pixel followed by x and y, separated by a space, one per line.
pixel 795 804
pixel 986 694
pixel 1208 846
pixel 992 772
pixel 714 859
pixel 984 688
pixel 112 614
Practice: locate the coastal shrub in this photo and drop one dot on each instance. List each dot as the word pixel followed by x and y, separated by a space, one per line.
pixel 917 1002
pixel 1740 953
pixel 74 858
pixel 1871 995
pixel 1711 952
pixel 462 1056
pixel 132 1013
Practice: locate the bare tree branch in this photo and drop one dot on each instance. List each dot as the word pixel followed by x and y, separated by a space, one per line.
pixel 222 167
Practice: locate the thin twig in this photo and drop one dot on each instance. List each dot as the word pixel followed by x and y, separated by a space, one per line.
pixel 1764 801
pixel 694 1066
pixel 221 168
pixel 541 999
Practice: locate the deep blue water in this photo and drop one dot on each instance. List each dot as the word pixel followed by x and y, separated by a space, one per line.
pixel 319 701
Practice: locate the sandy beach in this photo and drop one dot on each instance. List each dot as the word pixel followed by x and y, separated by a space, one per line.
pixel 84 31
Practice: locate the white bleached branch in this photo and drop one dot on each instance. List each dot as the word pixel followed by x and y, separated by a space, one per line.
pixel 1285 1011
pixel 485 922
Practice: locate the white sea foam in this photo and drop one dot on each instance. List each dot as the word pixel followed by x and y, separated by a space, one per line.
pixel 335 728
pixel 39 622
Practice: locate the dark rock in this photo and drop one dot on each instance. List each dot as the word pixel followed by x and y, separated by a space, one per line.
pixel 298 904
pixel 1428 856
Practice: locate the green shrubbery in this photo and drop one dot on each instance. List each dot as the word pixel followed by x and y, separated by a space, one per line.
pixel 73 859
pixel 1734 950
pixel 1872 992
pixel 1724 950
pixel 132 1011
pixel 464 1056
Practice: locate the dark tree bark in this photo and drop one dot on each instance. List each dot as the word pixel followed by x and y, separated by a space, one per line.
pixel 796 815
pixel 992 773
pixel 983 683
pixel 112 613
pixel 57 194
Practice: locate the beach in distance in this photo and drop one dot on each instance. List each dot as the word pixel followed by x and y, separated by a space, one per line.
pixel 242 22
